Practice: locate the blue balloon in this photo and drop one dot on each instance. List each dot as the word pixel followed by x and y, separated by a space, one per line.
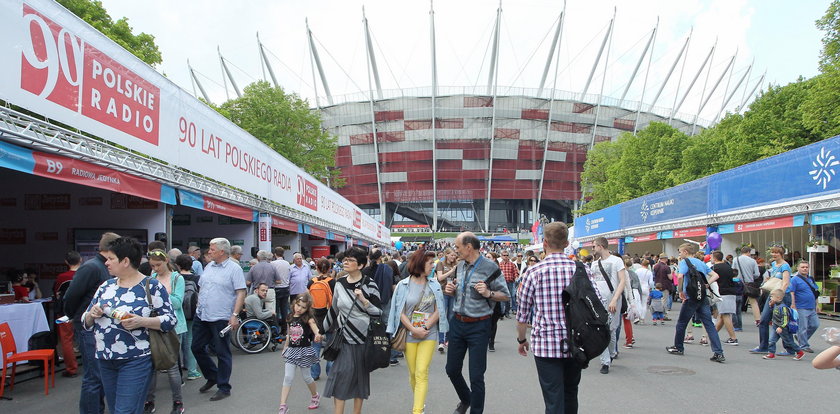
pixel 398 245
pixel 714 238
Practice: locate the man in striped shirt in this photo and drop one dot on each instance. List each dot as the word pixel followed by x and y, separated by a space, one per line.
pixel 541 305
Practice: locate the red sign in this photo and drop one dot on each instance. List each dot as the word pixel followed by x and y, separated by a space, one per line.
pixel 649 237
pixel 613 241
pixel 408 226
pixel 692 232
pixel 265 232
pixel 307 194
pixel 69 72
pixel 227 209
pixel 318 233
pixel 284 224
pixel 357 220
pixel 92 175
pixel 776 223
pixel 339 238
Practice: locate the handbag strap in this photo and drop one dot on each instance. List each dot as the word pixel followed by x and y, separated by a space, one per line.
pixel 153 313
pixel 606 276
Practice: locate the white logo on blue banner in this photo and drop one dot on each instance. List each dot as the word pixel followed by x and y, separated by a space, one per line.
pixel 824 165
pixel 644 210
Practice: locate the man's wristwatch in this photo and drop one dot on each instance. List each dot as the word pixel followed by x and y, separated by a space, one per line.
pixel 521 341
pixel 492 293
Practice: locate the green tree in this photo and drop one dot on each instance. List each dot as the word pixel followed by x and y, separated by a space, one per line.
pixel 286 124
pixel 830 24
pixel 141 45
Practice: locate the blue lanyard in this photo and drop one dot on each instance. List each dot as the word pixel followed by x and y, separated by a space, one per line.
pixel 466 280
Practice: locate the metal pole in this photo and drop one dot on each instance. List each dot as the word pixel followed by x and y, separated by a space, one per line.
pixel 434 119
pixel 638 65
pixel 693 81
pixel 738 85
pixel 709 97
pixel 224 79
pixel 312 64
pixel 267 64
pixel 597 59
pixel 603 80
pixel 493 119
pixel 744 95
pixel 557 34
pixel 198 83
pixel 679 82
pixel 671 71
pixel 760 81
pixel 375 139
pixel 726 90
pixel 550 110
pixel 494 54
pixel 230 75
pixel 647 73
pixel 318 64
pixel 371 55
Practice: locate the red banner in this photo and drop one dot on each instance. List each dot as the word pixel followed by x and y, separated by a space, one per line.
pixel 410 226
pixel 776 223
pixel 613 241
pixel 649 237
pixel 284 224
pixel 307 194
pixel 692 232
pixel 318 233
pixel 92 175
pixel 227 209
pixel 339 238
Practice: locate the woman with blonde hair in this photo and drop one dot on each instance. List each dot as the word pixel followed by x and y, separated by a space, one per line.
pixel 445 269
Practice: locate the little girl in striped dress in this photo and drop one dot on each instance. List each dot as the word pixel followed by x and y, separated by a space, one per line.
pixel 298 351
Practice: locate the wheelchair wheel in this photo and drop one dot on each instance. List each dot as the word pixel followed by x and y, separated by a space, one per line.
pixel 252 336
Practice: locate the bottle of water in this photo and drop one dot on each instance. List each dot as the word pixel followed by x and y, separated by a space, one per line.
pixel 225 331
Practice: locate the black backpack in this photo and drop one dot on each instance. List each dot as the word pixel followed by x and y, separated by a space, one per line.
pixel 190 302
pixel 59 297
pixel 587 321
pixel 696 282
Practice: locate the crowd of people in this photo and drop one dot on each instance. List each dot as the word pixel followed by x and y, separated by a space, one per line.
pixel 448 300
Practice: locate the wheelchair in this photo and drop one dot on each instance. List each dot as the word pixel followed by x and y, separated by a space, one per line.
pixel 255 335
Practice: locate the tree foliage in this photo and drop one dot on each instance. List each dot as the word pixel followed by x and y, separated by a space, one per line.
pixel 286 124
pixel 141 45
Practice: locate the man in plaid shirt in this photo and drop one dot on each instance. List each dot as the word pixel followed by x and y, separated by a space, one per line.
pixel 540 305
pixel 511 272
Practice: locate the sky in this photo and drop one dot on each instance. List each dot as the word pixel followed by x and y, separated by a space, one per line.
pixel 775 36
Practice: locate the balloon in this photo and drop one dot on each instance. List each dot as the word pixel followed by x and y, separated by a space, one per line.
pixel 576 245
pixel 714 238
pixel 584 252
pixel 398 245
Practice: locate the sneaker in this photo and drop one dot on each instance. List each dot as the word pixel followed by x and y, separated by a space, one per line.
pixel 628 346
pixel 732 341
pixel 808 350
pixel 605 369
pixel 674 350
pixel 219 395
pixel 177 407
pixel 441 348
pixel 799 355
pixel 149 407
pixel 770 356
pixel 315 402
pixel 206 387
pixel 193 376
pixel 784 353
pixel 666 319
pixel 283 409
pixel 688 339
pixel 461 408
pixel 704 341
pixel 654 323
pixel 738 330
pixel 757 351
pixel 717 358
pixel 394 362
pixel 697 325
pixel 491 348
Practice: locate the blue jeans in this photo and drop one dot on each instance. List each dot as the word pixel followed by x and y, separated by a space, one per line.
pixel 92 398
pixel 787 341
pixel 186 351
pixel 447 303
pixel 559 379
pixel 315 369
pixel 511 304
pixel 808 324
pixel 764 325
pixel 207 334
pixel 281 297
pixel 689 308
pixel 736 318
pixel 472 336
pixel 124 380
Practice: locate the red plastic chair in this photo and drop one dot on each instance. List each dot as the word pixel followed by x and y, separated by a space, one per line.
pixel 11 356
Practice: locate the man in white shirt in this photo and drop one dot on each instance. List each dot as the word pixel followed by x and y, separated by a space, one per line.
pixel 610 276
pixel 281 285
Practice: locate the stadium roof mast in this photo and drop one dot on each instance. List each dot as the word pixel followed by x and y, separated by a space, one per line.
pixel 603 80
pixel 750 95
pixel 226 71
pixel 434 116
pixel 735 89
pixel 265 65
pixel 639 64
pixel 693 81
pixel 371 67
pixel 313 54
pixel 371 55
pixel 703 105
pixel 558 38
pixel 671 71
pixel 197 83
pixel 597 59
pixel 492 88
pixel 647 73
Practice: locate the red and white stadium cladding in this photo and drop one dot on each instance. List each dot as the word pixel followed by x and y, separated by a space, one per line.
pixel 463 146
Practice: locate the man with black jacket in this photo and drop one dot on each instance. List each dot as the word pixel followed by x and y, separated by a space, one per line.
pixel 86 281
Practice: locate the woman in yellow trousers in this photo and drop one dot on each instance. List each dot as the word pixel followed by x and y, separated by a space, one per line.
pixel 417 306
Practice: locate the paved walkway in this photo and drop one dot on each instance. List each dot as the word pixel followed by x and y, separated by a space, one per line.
pixel 643 380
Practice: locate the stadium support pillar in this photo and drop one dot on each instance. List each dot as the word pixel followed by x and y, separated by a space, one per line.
pixel 197 83
pixel 373 130
pixel 647 74
pixel 536 204
pixel 735 89
pixel 597 59
pixel 371 56
pixel 313 53
pixel 226 71
pixel 266 63
pixel 714 88
pixel 494 85
pixel 671 71
pixel 752 92
pixel 434 119
pixel 558 34
pixel 603 79
pixel 693 81
pixel 638 65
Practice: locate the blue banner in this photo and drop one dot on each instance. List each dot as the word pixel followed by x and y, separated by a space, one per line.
pixel 666 234
pixel 16 158
pixel 191 199
pixel 825 217
pixel 599 222
pixel 684 201
pixel 805 172
pixel 167 195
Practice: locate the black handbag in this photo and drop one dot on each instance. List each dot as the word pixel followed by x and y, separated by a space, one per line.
pixel 164 345
pixel 377 343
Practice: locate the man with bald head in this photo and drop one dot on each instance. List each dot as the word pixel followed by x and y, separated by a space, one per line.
pixel 476 289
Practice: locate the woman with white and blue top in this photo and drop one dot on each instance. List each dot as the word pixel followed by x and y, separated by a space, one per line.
pixel 173 282
pixel 118 314
pixel 779 269
pixel 418 307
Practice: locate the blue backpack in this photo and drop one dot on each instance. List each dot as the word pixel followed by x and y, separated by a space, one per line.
pixel 793 323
